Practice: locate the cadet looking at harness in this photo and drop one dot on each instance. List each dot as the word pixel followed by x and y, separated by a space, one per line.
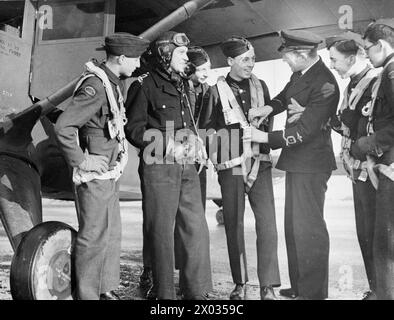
pixel 349 59
pixel 91 136
pixel 159 107
pixel 379 144
pixel 307 157
pixel 229 107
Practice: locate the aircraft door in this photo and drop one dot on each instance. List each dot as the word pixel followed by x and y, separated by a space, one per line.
pixel 16 37
pixel 67 34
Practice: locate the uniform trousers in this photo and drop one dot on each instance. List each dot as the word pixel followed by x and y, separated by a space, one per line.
pixel 364 195
pixel 173 197
pixel 261 199
pixel 146 245
pixel 203 187
pixel 306 234
pixel 98 243
pixel 383 249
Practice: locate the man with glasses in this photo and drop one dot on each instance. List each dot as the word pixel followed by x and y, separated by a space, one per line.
pixel 348 58
pixel 243 167
pixel 379 145
pixel 307 157
pixel 161 125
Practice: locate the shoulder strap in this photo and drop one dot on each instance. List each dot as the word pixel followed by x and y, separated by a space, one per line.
pixel 231 109
pixel 360 88
pixel 84 76
pixel 256 92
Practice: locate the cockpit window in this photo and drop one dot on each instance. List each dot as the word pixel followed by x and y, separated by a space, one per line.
pixel 84 19
pixel 11 17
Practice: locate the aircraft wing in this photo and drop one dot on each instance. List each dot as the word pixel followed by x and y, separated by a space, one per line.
pixel 260 21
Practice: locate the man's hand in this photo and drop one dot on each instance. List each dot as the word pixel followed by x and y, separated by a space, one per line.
pixel 294 109
pixel 257 115
pixel 258 135
pixel 96 163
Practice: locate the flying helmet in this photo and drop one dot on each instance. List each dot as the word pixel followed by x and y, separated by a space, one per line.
pixel 164 46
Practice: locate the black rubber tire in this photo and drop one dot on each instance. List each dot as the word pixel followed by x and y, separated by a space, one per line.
pixel 41 268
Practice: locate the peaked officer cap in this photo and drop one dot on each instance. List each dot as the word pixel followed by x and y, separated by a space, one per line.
pixel 123 43
pixel 299 40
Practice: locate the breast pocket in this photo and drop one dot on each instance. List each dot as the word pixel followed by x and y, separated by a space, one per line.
pixel 165 111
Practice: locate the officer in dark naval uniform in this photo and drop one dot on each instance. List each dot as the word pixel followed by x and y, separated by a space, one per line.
pixel 90 134
pixel 349 59
pixel 228 108
pixel 379 144
pixel 159 112
pixel 307 157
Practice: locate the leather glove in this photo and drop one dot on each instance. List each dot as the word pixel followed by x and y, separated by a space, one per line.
pixel 96 163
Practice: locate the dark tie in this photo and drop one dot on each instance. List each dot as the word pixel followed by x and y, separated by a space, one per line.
pixel 296 76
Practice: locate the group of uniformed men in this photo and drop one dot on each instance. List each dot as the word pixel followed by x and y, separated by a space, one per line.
pixel 164 115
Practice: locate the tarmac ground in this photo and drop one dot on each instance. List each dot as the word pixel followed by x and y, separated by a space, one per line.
pixel 347 279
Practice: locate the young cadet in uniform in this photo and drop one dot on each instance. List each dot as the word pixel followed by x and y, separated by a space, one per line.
pixel 379 144
pixel 348 58
pixel 90 134
pixel 307 157
pixel 228 108
pixel 159 107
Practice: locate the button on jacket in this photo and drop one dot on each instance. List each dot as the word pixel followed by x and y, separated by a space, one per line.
pixel 151 104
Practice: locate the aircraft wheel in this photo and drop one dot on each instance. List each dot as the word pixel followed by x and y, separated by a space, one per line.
pixel 219 216
pixel 41 268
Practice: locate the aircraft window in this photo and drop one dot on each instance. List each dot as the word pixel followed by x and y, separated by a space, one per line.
pixel 75 20
pixel 11 16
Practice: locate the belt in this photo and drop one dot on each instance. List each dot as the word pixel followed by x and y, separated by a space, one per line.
pixel 239 160
pixel 97 132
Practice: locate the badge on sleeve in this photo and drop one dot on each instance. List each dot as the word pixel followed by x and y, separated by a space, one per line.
pixel 391 75
pixel 90 91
